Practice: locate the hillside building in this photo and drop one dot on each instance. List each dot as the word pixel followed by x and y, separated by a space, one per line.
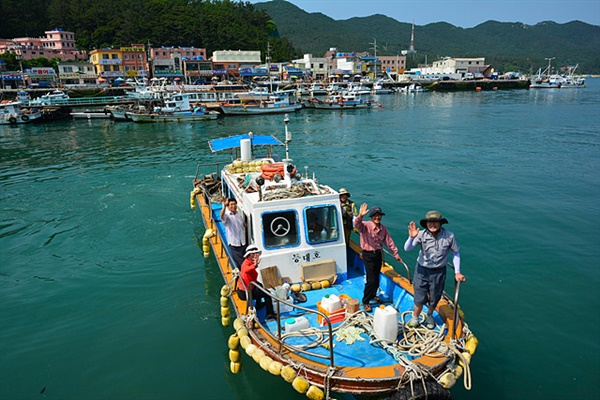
pixel 56 43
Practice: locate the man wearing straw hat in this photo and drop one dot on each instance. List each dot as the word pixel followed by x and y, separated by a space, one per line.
pixel 430 273
pixel 348 213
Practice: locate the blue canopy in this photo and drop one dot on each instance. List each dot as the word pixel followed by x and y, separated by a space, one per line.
pixel 233 142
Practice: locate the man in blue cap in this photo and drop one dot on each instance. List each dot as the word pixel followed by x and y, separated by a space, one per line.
pixel 373 235
pixel 430 273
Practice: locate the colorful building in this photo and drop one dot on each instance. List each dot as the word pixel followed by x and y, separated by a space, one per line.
pixel 56 43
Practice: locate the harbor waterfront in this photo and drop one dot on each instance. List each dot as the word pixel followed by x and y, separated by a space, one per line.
pixel 105 293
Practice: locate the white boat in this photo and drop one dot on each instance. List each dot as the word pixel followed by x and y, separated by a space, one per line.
pixel 544 79
pixel 143 91
pixel 256 93
pixel 197 114
pixel 52 98
pixel 11 113
pixel 274 105
pixel 318 340
pixel 341 101
pixel 358 88
pixel 317 89
pixel 23 97
pixel 569 79
pixel 378 88
pixel 412 88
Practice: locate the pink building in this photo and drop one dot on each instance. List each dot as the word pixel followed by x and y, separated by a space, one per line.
pixel 56 44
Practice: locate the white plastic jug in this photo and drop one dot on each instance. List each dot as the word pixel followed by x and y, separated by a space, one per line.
pixel 296 324
pixel 385 323
pixel 331 303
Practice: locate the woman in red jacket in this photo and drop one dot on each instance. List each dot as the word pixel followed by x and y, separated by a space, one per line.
pixel 248 274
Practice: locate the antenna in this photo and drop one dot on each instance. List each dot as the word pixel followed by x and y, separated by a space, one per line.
pixel 374 46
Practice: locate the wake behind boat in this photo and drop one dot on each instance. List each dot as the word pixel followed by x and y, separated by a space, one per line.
pixel 319 341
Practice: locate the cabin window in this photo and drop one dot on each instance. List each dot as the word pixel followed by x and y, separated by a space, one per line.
pixel 280 229
pixel 321 224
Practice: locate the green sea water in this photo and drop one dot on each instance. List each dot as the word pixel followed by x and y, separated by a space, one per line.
pixel 105 294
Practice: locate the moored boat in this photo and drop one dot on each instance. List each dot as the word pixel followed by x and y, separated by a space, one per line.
pixel 544 79
pixel 341 101
pixel 275 104
pixel 11 113
pixel 319 341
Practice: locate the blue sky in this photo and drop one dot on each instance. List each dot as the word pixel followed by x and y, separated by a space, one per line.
pixel 465 14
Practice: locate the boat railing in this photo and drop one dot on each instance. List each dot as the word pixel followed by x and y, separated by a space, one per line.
pixel 456 296
pixel 402 262
pixel 279 338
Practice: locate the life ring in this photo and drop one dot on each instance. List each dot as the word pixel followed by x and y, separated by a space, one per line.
pixel 25 118
pixel 12 120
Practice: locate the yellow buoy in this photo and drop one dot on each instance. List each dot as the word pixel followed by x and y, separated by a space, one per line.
pixel 225 321
pixel 235 367
pixel 225 290
pixel 234 342
pixel 193 199
pixel 325 284
pixel 250 349
pixel 238 323
pixel 306 287
pixel 225 302
pixel 458 371
pixel 265 362
pixel 275 368
pixel 295 288
pixel 257 355
pixel 316 286
pixel 314 393
pixel 225 311
pixel 245 341
pixel 471 344
pixel 242 332
pixel 234 356
pixel 288 373
pixel 300 384
pixel 448 380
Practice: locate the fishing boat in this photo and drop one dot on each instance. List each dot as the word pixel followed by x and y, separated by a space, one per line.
pixel 341 101
pixel 275 104
pixel 11 113
pixel 319 340
pixel 544 79
pixel 379 88
pixel 197 114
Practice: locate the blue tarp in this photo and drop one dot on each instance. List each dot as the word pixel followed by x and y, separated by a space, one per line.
pixel 233 142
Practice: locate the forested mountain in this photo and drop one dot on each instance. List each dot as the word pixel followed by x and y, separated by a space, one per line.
pixel 214 25
pixel 290 31
pixel 506 46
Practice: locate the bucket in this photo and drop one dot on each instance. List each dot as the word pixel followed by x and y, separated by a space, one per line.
pixel 385 323
pixel 352 306
pixel 331 303
pixel 296 324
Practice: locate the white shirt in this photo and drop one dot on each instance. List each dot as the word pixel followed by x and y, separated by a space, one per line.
pixel 234 228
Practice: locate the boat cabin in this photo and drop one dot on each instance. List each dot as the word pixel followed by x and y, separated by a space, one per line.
pixel 295 221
